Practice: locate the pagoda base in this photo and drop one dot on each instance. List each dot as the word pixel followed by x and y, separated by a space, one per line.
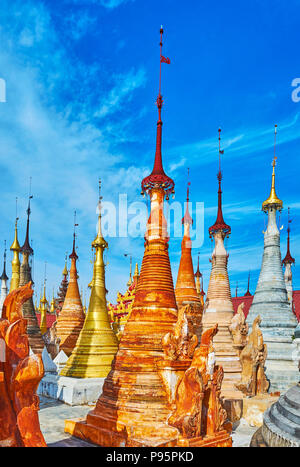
pixel 79 391
pixel 145 435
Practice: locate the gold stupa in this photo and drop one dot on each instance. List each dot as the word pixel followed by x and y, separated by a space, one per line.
pixel 97 344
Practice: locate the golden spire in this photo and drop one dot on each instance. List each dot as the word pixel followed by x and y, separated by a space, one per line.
pixel 97 343
pixel 15 264
pixel 44 303
pixel 130 270
pixel 52 305
pixel 273 199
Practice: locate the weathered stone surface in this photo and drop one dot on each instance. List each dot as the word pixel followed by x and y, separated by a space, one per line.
pixel 278 322
pixel 253 357
pixel 20 374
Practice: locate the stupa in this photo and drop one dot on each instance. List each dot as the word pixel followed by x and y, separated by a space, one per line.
pixel 281 421
pixel 33 330
pixel 4 279
pixel 185 290
pixel 61 295
pixel 90 362
pixel 71 318
pixel 218 309
pixel 139 394
pixel 43 311
pixel 288 261
pixel 270 301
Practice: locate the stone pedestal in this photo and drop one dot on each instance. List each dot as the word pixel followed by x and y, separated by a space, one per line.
pixel 254 408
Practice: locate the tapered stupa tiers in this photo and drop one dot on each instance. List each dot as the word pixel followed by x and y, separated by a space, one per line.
pixel 270 301
pixel 15 264
pixel 4 279
pixel 287 262
pixel 219 308
pixel 185 290
pixel 33 330
pixel 71 318
pixel 97 343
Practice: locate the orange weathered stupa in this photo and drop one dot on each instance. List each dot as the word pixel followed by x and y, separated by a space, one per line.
pixel 140 392
pixel 219 310
pixel 185 290
pixel 71 318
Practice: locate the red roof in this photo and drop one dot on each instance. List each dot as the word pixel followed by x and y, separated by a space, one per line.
pixel 247 299
pixel 50 319
pixel 296 300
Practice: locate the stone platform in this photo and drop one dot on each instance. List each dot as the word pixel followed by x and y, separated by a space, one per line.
pixel 281 422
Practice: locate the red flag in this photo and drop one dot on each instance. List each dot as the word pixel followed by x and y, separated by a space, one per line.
pixel 165 60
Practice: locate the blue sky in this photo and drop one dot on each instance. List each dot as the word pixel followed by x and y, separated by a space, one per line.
pixel 81 81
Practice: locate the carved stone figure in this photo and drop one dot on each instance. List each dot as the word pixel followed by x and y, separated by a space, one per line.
pixel 253 358
pixel 199 411
pixel 20 374
pixel 239 328
pixel 180 344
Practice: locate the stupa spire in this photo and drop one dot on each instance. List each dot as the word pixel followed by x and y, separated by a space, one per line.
pixel 71 317
pixel 219 307
pixel 130 269
pixel 220 225
pixel 4 279
pixel 43 311
pixel 287 261
pixel 277 321
pixel 134 391
pixel 15 264
pixel 185 289
pixel 247 294
pixel 158 178
pixel 97 343
pixel 26 248
pixel 273 200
